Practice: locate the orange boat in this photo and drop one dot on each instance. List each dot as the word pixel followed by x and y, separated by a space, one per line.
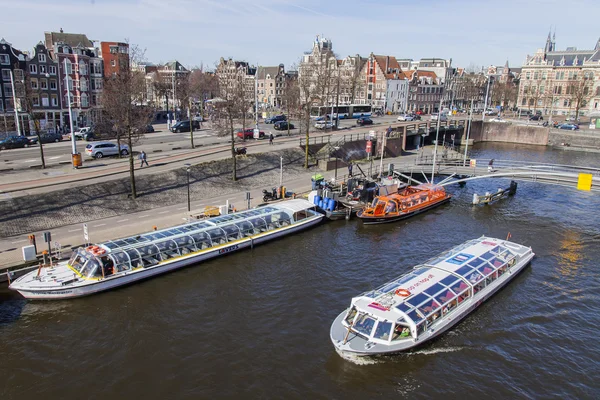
pixel 407 202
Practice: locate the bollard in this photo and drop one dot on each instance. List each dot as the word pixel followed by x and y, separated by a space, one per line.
pixel 154 228
pixel 45 257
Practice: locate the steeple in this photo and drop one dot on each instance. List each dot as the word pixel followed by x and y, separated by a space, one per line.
pixel 597 45
pixel 548 47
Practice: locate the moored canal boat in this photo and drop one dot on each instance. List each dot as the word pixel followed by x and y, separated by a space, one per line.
pixel 119 262
pixel 407 202
pixel 424 303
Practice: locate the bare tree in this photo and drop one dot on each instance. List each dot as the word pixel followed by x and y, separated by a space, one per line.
pixel 291 98
pixel 580 92
pixel 123 102
pixel 352 79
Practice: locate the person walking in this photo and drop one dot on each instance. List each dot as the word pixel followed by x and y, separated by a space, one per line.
pixel 143 159
pixel 491 165
pixel 350 169
pixel 271 139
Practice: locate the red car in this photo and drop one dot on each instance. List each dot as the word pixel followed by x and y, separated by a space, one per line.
pixel 419 112
pixel 249 134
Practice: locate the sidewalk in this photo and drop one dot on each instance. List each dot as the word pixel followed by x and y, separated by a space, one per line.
pixel 71 235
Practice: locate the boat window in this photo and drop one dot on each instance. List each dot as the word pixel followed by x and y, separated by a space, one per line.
pixel 383 330
pixel 497 262
pixel 168 249
pixel 415 316
pixel 429 307
pixel 391 207
pixel 434 289
pixel 90 268
pixel 364 324
pixel 464 270
pixel 474 277
pixel 403 307
pixel 281 218
pixel 490 254
pixel 418 299
pixel 217 236
pixel 78 259
pixel 121 260
pixel 445 297
pixel 400 332
pixel 232 232
pixel 186 244
pixel 350 316
pixel 485 269
pixel 459 287
pixel 449 281
pixel 135 258
pixel 202 240
pixel 246 228
pixel 476 262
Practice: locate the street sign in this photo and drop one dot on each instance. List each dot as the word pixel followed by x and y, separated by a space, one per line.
pixel 368 149
pixel 473 163
pixel 85 233
pixel 47 237
pixel 256 133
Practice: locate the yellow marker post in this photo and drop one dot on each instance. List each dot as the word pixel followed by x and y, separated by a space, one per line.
pixel 473 163
pixel 584 182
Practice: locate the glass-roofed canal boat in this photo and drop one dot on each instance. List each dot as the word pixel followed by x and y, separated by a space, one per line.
pixel 428 300
pixel 119 262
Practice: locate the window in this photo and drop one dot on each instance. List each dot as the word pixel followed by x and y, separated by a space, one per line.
pixel 70 83
pixel 598 91
pixel 69 67
pixel 6 75
pixel 54 100
pixel 42 58
pixel 52 84
pixel 83 68
pixel 4 59
pixel 84 84
pixel 84 100
pixel 35 100
pixel 52 69
pixel 44 84
pixel 43 69
pixel 113 63
pixel 34 83
pixel 8 89
pixel 9 105
pixel 32 69
pixel 1 106
pixel 528 75
pixel 45 102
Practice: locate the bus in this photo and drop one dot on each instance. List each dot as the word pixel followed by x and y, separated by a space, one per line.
pixel 341 112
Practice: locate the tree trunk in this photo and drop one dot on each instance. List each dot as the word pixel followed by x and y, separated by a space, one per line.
pixel 234 172
pixel 307 137
pixel 131 163
pixel 39 137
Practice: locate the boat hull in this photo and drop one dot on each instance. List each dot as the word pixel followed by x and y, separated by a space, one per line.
pixel 372 220
pixel 361 347
pixel 91 287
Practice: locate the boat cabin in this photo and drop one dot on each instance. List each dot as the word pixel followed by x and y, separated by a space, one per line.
pixel 405 308
pixel 150 249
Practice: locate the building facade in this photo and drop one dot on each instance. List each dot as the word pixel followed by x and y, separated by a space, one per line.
pixel 230 73
pixel 561 82
pixel 115 57
pixel 425 92
pixel 377 71
pixel 396 98
pixel 271 84
pixel 12 68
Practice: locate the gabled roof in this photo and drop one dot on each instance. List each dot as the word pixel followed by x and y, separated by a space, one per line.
pixel 264 71
pixel 72 39
pixel 420 74
pixel 390 67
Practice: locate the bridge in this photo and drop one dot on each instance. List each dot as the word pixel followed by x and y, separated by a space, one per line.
pixel 457 170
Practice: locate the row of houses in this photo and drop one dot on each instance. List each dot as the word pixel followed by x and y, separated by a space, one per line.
pixel 65 69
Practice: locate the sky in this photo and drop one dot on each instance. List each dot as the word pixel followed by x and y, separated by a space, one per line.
pixel 270 32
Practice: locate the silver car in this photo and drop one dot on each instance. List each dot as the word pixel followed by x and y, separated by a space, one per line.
pixel 102 149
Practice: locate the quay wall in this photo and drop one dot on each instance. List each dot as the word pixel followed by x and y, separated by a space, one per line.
pixel 586 140
pixel 509 133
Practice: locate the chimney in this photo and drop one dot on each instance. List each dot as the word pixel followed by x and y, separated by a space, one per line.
pixel 387 63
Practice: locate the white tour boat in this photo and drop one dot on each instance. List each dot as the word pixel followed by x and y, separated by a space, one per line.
pixel 429 300
pixel 119 262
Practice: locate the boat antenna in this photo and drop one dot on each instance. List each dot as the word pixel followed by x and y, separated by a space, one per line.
pixel 437 133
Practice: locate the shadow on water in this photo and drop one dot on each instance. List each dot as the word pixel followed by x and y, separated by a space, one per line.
pixel 11 307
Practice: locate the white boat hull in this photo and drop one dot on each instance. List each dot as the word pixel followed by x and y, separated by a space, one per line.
pixel 358 346
pixel 87 287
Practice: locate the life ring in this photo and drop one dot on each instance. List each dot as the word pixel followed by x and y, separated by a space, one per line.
pixel 402 292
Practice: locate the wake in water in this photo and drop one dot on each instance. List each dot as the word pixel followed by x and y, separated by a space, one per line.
pixel 438 350
pixel 371 360
pixel 358 360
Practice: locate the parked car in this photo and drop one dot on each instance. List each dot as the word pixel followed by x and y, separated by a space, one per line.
pixel 442 117
pixel 536 118
pixel 248 133
pixel 571 119
pixel 491 111
pixel 51 137
pixel 283 125
pixel 184 126
pixel 408 117
pixel 275 118
pixel 571 127
pixel 14 142
pixel 81 133
pixel 497 119
pixel 103 149
pixel 323 125
pixel 364 121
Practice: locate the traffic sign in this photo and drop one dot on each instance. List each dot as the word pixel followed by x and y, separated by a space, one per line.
pixel 85 233
pixel 368 149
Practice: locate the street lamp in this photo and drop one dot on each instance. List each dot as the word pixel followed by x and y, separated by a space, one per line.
pixel 336 148
pixel 73 143
pixel 12 82
pixel 188 167
pixel 489 78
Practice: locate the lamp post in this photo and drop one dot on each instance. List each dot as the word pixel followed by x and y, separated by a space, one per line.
pixel 468 133
pixel 336 148
pixel 12 82
pixel 188 167
pixel 489 78
pixel 73 143
pixel 437 132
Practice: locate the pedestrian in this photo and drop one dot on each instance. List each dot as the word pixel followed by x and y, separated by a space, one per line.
pixel 350 169
pixel 389 131
pixel 143 159
pixel 491 165
pixel 271 139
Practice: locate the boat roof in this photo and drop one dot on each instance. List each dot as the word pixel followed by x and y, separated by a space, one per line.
pixel 438 281
pixel 288 206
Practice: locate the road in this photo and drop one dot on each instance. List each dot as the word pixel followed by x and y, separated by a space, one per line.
pixel 161 140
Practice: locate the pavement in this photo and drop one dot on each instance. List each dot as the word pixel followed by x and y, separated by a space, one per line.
pixel 205 193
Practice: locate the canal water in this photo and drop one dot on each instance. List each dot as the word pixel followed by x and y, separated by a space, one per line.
pixel 256 324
